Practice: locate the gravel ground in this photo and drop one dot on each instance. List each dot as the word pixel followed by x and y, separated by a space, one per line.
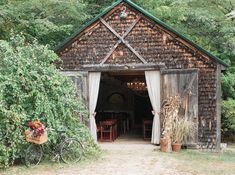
pixel 126 158
pixel 136 157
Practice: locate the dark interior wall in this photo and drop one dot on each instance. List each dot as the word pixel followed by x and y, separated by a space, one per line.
pixel 115 97
pixel 106 103
pixel 142 108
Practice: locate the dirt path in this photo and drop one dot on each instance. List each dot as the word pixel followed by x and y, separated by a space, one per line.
pixel 125 159
pixel 130 158
pixel 119 158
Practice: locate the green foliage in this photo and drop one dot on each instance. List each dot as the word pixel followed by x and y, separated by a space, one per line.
pixel 50 21
pixel 228 104
pixel 96 6
pixel 228 85
pixel 228 111
pixel 32 88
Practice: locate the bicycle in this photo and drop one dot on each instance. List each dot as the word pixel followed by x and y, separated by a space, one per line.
pixel 69 150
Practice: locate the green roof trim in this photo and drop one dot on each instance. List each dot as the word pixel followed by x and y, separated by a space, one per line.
pixel 140 9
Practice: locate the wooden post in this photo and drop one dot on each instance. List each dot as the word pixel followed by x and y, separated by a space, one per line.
pixel 218 107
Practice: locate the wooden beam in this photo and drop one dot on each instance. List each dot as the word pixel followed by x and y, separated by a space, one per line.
pixel 127 31
pixel 122 39
pixel 131 27
pixel 131 73
pixel 182 71
pixel 136 53
pixel 218 107
pixel 186 90
pixel 126 67
pixel 110 52
pixel 110 28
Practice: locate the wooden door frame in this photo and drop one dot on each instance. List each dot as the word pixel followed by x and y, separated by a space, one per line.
pixel 129 68
pixel 125 68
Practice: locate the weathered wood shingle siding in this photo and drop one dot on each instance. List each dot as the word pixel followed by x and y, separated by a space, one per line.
pixel 155 44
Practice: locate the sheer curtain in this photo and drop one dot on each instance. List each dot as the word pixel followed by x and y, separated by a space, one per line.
pixel 153 84
pixel 94 83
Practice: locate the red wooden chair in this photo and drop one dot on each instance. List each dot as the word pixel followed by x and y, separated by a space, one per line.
pixel 98 130
pixel 115 130
pixel 106 131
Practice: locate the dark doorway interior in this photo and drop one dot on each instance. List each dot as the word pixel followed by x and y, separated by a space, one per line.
pixel 123 97
pixel 142 111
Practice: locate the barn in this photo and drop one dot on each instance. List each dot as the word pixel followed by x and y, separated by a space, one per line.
pixel 125 62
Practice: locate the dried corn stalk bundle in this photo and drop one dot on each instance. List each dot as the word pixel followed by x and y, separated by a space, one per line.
pixel 169 111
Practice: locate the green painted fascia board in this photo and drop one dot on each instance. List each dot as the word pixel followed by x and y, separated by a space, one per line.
pixel 58 48
pixel 140 9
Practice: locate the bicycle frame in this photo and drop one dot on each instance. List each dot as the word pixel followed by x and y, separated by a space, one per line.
pixel 67 149
pixel 55 152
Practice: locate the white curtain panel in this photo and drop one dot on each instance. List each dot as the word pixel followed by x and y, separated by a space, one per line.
pixel 153 85
pixel 94 84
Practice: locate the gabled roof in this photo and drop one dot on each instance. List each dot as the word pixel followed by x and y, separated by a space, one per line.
pixel 135 6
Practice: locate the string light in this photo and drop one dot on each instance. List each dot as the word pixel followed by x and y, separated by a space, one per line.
pixel 137 85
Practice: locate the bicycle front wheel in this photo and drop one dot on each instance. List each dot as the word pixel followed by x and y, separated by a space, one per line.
pixel 33 155
pixel 71 151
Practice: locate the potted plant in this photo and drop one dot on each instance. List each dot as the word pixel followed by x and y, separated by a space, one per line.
pixel 181 130
pixel 169 113
pixel 165 143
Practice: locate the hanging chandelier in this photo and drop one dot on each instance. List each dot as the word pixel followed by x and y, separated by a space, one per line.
pixel 137 85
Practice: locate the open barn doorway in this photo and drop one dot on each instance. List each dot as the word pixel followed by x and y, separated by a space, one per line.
pixel 123 99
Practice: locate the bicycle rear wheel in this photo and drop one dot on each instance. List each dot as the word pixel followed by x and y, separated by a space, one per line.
pixel 71 151
pixel 33 155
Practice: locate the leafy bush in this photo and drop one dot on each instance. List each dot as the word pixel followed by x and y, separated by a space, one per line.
pixel 228 85
pixel 32 88
pixel 50 21
pixel 228 114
